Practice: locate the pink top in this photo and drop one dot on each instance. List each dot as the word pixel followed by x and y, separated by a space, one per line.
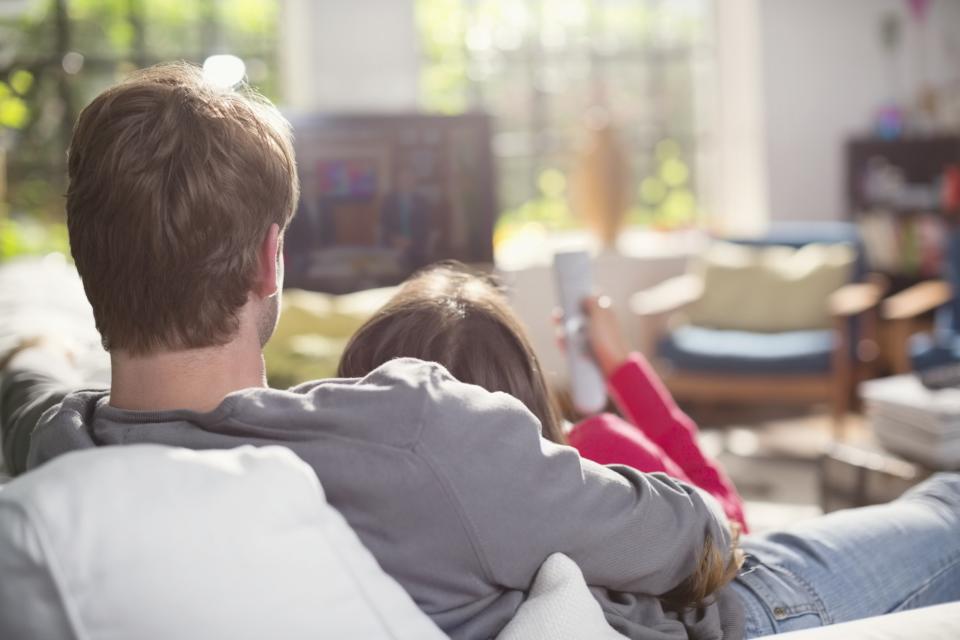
pixel 660 438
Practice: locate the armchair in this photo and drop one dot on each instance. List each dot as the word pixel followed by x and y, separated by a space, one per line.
pixel 800 365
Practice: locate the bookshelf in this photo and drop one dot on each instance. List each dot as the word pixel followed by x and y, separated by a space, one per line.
pixel 895 193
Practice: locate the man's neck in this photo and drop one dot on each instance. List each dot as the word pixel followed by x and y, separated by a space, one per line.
pixel 195 379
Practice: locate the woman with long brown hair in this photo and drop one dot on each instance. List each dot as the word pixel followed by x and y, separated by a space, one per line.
pixel 462 320
pixel 819 572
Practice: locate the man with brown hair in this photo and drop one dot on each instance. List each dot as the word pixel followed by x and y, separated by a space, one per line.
pixel 197 184
pixel 178 201
pixel 179 195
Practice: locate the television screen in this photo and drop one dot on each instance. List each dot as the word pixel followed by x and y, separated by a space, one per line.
pixel 384 195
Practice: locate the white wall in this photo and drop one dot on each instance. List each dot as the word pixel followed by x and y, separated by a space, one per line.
pixel 824 76
pixel 349 55
pixel 735 189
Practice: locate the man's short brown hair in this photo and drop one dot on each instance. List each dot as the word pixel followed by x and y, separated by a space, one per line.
pixel 173 186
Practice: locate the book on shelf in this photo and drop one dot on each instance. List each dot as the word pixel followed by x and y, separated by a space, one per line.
pixel 906 245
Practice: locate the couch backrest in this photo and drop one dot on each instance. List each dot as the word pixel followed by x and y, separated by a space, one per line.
pixel 151 542
pixel 559 606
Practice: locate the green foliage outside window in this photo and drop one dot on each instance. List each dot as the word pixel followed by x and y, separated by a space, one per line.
pixel 537 65
pixel 55 55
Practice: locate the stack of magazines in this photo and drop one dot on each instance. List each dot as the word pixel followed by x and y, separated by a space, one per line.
pixel 919 423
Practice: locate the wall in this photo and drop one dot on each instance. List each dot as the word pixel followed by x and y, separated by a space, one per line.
pixel 735 189
pixel 824 75
pixel 342 55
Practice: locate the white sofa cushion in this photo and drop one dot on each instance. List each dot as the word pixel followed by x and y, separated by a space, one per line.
pixel 941 622
pixel 151 543
pixel 559 607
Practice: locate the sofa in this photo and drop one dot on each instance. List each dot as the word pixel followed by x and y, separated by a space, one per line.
pixel 312 331
pixel 152 543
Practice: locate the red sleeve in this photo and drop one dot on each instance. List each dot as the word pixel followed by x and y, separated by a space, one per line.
pixel 647 403
pixel 607 439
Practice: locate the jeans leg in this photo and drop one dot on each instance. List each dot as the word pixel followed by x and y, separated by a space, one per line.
pixel 775 600
pixel 856 563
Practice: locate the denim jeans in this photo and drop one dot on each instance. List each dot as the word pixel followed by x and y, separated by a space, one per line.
pixel 856 563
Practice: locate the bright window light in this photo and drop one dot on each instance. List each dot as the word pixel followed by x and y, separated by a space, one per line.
pixel 224 71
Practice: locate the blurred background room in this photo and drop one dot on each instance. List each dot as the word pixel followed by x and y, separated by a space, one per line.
pixel 769 189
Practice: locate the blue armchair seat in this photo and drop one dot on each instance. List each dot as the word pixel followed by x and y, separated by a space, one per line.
pixel 692 348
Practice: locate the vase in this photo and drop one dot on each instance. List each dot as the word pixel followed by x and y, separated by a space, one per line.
pixel 600 183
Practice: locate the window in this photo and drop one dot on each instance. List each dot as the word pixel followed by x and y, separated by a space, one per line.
pixel 55 55
pixel 538 65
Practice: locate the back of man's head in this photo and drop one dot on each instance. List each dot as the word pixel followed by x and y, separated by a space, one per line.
pixel 174 184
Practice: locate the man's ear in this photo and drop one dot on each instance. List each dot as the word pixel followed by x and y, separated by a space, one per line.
pixel 268 280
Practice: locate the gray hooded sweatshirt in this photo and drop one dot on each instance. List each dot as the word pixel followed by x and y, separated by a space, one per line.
pixel 454 492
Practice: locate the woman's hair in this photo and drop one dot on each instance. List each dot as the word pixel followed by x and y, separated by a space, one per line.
pixel 714 569
pixel 462 320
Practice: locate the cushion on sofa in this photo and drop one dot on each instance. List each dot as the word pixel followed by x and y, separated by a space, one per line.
pixel 336 316
pixel 769 289
pixel 690 348
pixel 559 607
pixel 313 330
pixel 151 542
